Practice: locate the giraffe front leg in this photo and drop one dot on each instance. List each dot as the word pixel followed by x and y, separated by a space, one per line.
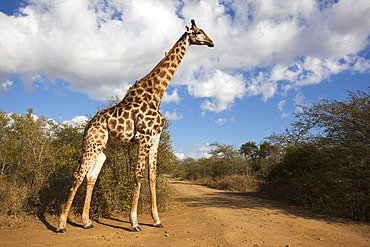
pixel 135 199
pixel 152 180
pixel 139 171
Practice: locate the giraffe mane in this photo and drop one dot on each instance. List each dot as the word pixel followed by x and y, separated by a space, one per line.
pixel 166 55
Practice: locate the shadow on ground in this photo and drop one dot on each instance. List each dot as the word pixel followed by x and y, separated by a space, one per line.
pixel 209 197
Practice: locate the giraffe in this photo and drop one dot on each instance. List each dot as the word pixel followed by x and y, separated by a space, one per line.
pixel 135 120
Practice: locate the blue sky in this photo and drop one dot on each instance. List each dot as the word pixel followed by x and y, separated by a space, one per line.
pixel 65 58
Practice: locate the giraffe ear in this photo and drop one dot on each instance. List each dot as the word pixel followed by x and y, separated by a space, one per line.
pixel 187 28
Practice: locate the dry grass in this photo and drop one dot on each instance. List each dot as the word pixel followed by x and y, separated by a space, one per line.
pixel 233 182
pixel 13 198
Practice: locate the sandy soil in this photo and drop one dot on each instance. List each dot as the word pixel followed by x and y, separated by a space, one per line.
pixel 202 217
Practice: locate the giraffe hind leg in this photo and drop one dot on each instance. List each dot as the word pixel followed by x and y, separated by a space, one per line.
pixel 91 177
pixel 78 177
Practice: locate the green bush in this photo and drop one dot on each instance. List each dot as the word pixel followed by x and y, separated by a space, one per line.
pixel 329 170
pixel 225 169
pixel 298 162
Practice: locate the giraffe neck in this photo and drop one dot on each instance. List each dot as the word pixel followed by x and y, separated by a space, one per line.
pixel 158 80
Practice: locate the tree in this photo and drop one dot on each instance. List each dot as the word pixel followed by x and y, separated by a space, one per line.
pixel 5 157
pixel 166 155
pixel 26 160
pixel 268 156
pixel 340 123
pixel 327 167
pixel 225 160
pixel 222 150
pixel 260 158
pixel 249 150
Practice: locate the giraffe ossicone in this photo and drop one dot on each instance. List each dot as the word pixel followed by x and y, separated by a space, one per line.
pixel 135 120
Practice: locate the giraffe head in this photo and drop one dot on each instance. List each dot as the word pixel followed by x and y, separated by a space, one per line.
pixel 198 36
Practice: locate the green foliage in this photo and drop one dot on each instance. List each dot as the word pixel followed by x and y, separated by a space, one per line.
pixel 66 143
pixel 250 150
pixel 225 160
pixel 260 158
pixel 340 123
pixel 298 162
pixel 25 157
pixel 113 189
pixel 224 169
pixel 166 156
pixel 326 158
pixel 188 168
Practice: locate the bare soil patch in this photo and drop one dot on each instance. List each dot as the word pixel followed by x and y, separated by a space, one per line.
pixel 201 217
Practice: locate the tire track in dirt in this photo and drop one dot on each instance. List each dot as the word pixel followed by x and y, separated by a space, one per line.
pixel 246 220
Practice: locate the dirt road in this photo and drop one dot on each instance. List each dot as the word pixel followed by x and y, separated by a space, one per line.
pixel 203 217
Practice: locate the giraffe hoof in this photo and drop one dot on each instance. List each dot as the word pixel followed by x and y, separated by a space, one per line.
pixel 158 225
pixel 61 230
pixel 135 229
pixel 89 226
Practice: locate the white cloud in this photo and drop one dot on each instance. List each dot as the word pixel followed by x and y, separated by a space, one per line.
pixel 284 37
pixel 200 151
pixel 102 47
pixel 285 115
pixel 280 106
pixel 223 88
pixel 172 116
pixel 76 121
pixel 180 156
pixel 261 84
pixel 97 46
pixel 306 71
pixel 299 99
pixel 4 86
pixel 174 97
pixel 220 121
